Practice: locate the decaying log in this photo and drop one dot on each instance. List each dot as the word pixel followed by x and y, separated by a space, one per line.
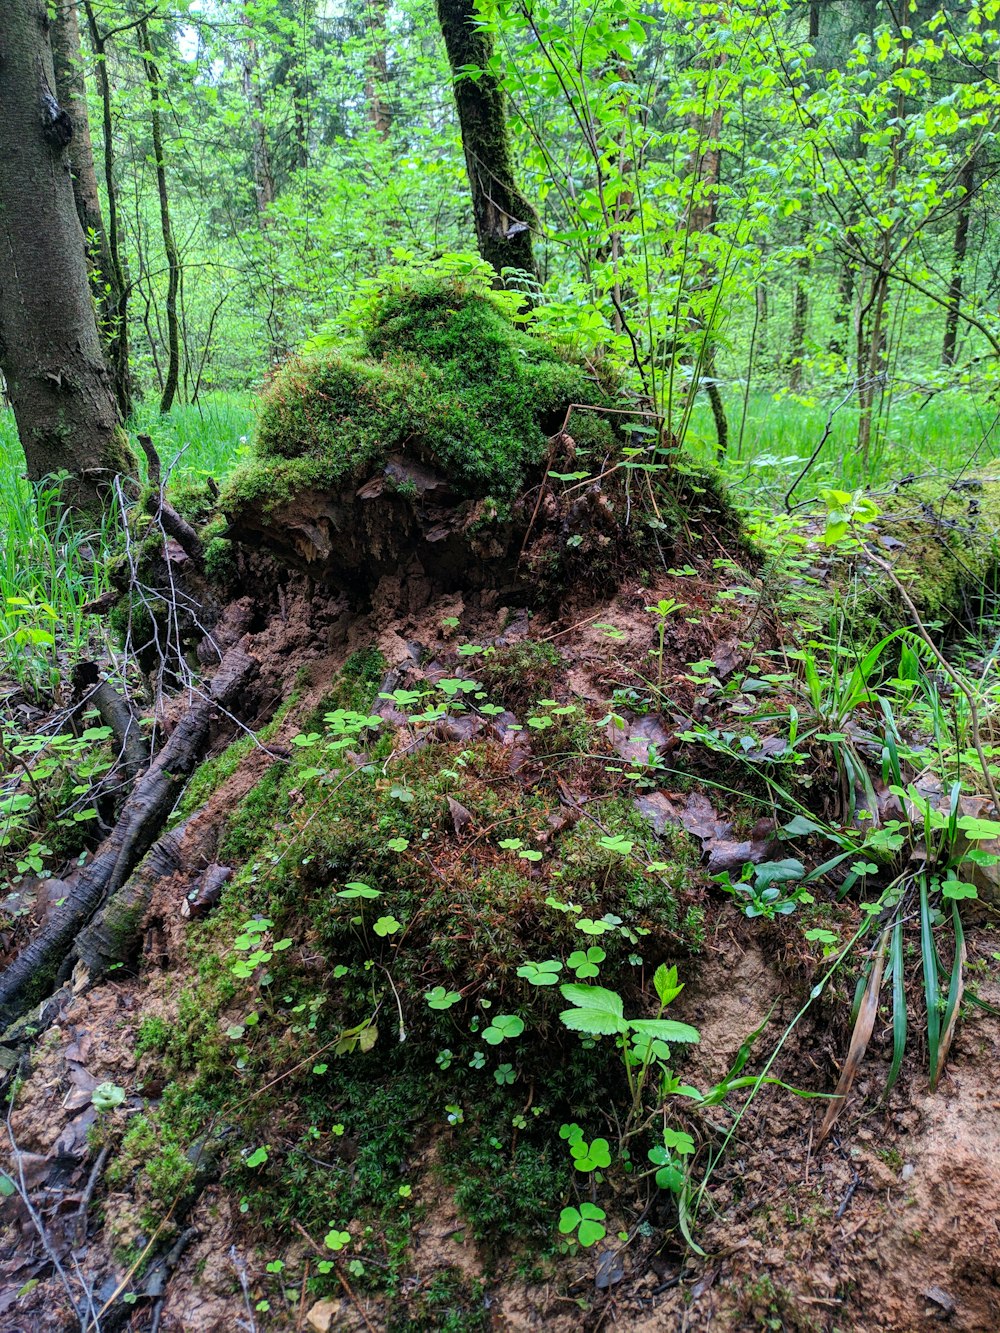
pixel 110 937
pixel 31 974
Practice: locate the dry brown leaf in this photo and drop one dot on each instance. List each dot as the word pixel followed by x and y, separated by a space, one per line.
pixel 460 817
pixel 863 1028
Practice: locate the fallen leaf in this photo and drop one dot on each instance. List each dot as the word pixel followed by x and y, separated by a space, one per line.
pixel 461 818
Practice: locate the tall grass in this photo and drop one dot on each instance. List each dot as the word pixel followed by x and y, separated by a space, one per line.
pixel 943 436
pixel 49 570
pixel 205 440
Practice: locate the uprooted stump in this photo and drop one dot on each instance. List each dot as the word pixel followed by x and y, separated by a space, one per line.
pixel 427 440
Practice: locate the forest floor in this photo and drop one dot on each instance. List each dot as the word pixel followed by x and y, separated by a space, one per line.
pixel 319 1079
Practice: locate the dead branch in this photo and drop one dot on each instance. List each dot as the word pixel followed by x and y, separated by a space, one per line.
pixel 31 974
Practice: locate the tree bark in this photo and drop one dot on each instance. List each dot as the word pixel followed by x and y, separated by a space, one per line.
pixel 966 183
pixel 503 217
pixel 117 331
pixel 263 176
pixel 169 244
pixel 377 80
pixel 800 312
pixel 50 349
pixel 105 277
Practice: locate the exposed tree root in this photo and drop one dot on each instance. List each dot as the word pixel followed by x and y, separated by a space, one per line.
pixel 116 713
pixel 110 937
pixel 32 973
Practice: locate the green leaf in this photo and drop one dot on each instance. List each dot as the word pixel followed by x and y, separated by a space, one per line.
pixel 598 1011
pixel 504 1027
pixel 106 1096
pixel 956 889
pixel 357 890
pixel 590 1233
pixel 665 984
pixel 666 1029
pixel 258 1157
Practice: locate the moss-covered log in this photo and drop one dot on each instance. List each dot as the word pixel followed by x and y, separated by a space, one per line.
pixel 943 539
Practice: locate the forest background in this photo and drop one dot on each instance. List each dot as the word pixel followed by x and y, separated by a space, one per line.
pixel 785 205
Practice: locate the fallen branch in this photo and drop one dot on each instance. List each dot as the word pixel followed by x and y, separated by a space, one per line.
pixel 116 713
pixel 31 974
pixel 165 514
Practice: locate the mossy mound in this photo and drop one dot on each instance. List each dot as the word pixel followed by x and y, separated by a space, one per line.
pixel 379 988
pixel 421 435
pixel 944 542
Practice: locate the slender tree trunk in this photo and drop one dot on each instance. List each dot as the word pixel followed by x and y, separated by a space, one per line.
pixel 800 311
pixel 105 281
pixel 169 244
pixel 966 181
pixel 263 177
pixel 706 165
pixel 50 350
pixel 377 81
pixel 117 331
pixel 503 217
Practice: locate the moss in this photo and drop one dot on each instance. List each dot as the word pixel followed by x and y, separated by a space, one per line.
pixel 440 374
pixel 269 1054
pixel 153 1035
pixel 519 673
pixel 950 534
pixel 450 1303
pixel 211 774
pixel 130 619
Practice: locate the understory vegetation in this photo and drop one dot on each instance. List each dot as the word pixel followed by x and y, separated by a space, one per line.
pixel 500 790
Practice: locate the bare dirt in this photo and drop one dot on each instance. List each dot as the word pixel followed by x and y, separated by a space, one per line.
pixel 893 1224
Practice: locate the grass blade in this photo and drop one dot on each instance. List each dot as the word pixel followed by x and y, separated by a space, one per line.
pixel 863 1028
pixel 930 966
pixel 955 990
pixel 898 1004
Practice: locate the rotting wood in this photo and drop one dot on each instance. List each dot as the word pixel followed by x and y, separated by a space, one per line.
pixel 33 971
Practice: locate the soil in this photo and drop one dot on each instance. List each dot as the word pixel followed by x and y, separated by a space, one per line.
pixel 892 1224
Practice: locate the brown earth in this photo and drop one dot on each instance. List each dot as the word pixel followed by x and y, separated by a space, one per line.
pixel 894 1224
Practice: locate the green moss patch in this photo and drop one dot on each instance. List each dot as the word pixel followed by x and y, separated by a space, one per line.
pixel 376 1009
pixel 950 535
pixel 439 374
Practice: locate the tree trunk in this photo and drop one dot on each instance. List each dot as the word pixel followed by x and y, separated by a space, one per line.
pixel 105 272
pixel 169 244
pixel 706 165
pixel 503 217
pixel 50 350
pixel 800 313
pixel 263 176
pixel 377 80
pixel 966 183
pixel 117 332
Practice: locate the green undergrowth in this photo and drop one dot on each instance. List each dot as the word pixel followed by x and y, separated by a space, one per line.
pixel 213 772
pixel 439 373
pixel 374 1012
